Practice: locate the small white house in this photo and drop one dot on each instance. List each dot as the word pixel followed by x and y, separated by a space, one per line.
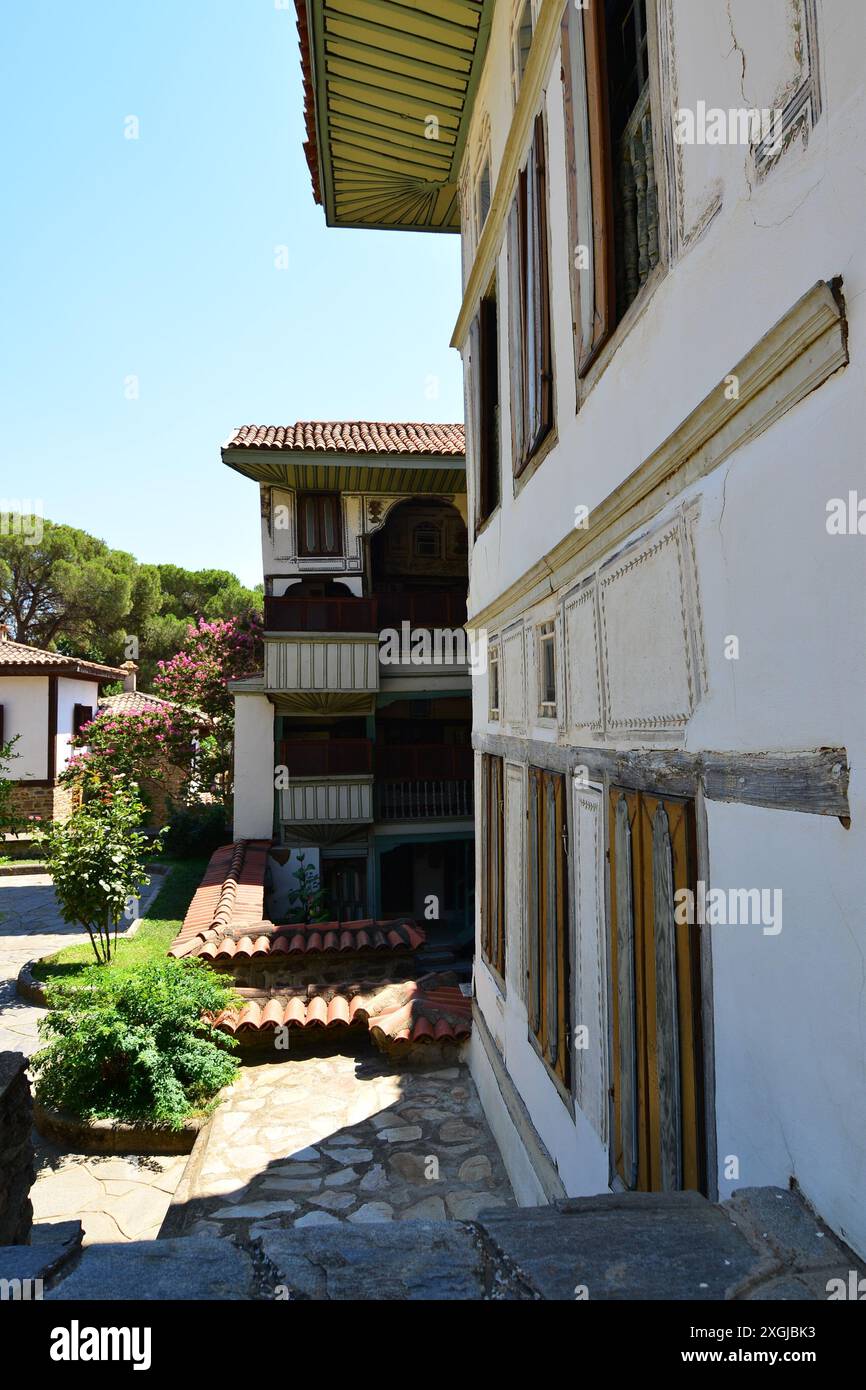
pixel 45 698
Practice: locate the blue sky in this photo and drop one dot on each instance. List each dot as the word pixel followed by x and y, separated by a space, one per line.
pixel 155 258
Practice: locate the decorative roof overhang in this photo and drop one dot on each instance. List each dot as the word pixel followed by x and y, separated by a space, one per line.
pixel 356 473
pixel 388 89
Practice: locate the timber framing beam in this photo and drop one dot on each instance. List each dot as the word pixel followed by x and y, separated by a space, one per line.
pixel 814 782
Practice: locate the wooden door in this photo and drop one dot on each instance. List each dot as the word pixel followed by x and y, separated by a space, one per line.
pixel 656 1054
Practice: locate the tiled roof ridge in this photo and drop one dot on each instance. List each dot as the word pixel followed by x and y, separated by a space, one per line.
pixel 395 1013
pixel 434 438
pixel 21 654
pixel 225 906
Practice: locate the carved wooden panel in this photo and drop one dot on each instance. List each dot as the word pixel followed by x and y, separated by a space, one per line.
pixel 590 1011
pixel 582 666
pixel 515 858
pixel 513 679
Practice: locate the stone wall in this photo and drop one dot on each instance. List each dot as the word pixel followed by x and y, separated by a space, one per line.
pixel 17 1172
pixel 162 793
pixel 47 803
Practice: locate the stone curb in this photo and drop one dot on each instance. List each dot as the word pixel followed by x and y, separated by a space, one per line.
pixel 20 870
pixel 78 1135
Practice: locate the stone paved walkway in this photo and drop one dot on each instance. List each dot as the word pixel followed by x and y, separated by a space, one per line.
pixel 320 1140
pixel 116 1199
pixel 30 926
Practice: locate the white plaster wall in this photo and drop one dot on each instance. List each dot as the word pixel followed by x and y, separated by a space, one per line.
pixel 254 768
pixel 770 243
pixel 790 1011
pixel 69 694
pixel 25 712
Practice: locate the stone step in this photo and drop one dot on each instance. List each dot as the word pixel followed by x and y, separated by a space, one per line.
pixel 765 1243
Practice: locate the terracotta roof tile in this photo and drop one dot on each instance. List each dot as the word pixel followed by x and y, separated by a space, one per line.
pixel 225 920
pixel 18 654
pixel 395 1014
pixel 352 437
pixel 132 702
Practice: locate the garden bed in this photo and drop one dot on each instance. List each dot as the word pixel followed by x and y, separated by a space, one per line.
pixel 77 1135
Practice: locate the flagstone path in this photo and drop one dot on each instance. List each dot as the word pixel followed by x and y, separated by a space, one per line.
pixel 322 1140
pixel 115 1199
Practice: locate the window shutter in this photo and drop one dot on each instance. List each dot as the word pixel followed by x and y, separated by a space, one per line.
pixel 533 900
pixel 589 181
pixel 543 389
pixel 475 416
pixel 488 391
pixel 81 715
pixel 517 340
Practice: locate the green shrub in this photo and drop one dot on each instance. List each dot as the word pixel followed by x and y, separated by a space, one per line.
pixel 131 1045
pixel 197 829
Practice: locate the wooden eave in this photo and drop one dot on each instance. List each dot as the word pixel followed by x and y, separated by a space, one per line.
pixel 380 68
pixel 347 472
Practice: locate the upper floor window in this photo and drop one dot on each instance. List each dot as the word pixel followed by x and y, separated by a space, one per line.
pixel 521 42
pixel 427 541
pixel 547 670
pixel 484 359
pixel 529 300
pixel 612 190
pixel 482 196
pixel 319 529
pixel 493 696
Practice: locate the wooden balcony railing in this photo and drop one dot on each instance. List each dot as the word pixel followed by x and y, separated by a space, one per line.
pixel 321 614
pixel 425 800
pixel 420 762
pixel 420 608
pixel 332 757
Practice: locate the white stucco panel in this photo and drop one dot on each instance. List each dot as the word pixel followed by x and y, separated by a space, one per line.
pixel 648 684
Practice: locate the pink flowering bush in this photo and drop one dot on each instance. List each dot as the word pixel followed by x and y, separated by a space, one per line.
pixel 197 681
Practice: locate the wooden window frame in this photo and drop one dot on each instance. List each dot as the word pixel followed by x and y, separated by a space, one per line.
pixel 493 896
pixel 589 178
pixel 317 551
pixel 81 715
pixel 493 662
pixel 638 1117
pixel 545 636
pixel 486 407
pixel 531 356
pixel 549 965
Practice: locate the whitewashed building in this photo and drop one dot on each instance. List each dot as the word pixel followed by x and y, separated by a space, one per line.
pixel 662 210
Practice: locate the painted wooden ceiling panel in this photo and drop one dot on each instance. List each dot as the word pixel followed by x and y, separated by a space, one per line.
pixel 392 85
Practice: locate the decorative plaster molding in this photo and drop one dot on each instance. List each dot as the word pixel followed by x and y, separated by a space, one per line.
pixel 798 353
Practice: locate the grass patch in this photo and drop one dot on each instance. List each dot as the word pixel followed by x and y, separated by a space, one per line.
pixel 159 926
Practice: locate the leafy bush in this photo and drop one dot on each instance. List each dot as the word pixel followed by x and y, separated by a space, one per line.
pixel 197 829
pixel 131 1044
pixel 97 860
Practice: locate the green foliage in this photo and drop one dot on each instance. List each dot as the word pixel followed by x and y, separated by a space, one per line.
pixel 9 821
pixel 132 1045
pixel 158 929
pixel 67 590
pixel 97 859
pixel 197 829
pixel 308 900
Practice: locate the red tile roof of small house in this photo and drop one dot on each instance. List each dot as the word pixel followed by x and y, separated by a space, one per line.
pixel 225 920
pixel 396 1014
pixel 352 437
pixel 18 658
pixel 133 702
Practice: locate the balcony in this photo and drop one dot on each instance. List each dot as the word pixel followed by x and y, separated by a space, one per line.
pixel 419 607
pixel 423 781
pixel 330 757
pixel 305 614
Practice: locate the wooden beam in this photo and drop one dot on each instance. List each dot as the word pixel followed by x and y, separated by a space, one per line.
pixel 814 781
